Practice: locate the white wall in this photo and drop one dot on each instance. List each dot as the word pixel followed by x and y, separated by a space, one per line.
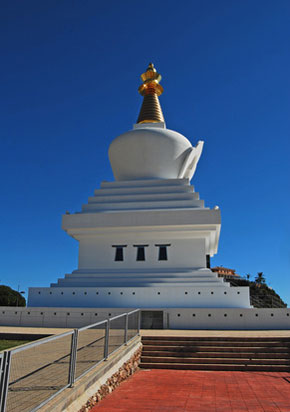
pixel 227 318
pixel 177 318
pixel 98 253
pixel 54 317
pixel 141 297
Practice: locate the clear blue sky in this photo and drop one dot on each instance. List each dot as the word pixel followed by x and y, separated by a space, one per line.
pixel 69 78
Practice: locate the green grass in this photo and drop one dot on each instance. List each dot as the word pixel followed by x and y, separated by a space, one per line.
pixel 6 344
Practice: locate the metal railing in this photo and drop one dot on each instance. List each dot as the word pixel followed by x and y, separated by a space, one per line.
pixel 31 375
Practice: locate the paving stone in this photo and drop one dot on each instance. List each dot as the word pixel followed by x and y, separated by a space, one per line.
pixel 200 391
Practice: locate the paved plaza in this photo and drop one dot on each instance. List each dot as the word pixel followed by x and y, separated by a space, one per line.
pixel 41 371
pixel 200 391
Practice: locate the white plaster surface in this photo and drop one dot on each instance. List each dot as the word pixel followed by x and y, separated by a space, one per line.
pixel 228 319
pixel 163 296
pixel 174 318
pixel 152 151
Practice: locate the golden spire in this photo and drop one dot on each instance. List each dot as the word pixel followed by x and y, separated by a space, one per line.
pixel 151 111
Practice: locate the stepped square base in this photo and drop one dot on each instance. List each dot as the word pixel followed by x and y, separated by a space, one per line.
pixel 143 244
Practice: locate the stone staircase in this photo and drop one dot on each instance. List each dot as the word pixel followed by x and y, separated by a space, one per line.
pixel 216 353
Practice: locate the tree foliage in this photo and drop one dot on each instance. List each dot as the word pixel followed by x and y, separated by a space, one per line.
pixel 10 297
pixel 260 278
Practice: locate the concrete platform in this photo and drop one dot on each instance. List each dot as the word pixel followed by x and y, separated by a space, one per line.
pixel 31 331
pixel 216 333
pixel 160 332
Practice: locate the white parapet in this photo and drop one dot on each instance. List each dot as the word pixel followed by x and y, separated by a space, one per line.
pixel 171 318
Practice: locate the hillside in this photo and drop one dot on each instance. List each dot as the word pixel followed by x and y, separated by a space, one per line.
pixel 261 295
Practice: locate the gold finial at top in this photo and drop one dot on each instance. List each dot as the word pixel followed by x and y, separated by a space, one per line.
pixel 151 111
pixel 151 81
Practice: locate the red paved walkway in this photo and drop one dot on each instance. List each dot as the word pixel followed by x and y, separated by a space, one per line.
pixel 198 391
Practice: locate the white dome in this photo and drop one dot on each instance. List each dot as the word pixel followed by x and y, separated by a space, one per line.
pixel 149 151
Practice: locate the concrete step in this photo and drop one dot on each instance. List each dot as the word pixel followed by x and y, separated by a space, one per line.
pixel 216 367
pixel 215 360
pixel 150 197
pixel 217 339
pixel 139 190
pixel 127 282
pixel 166 204
pixel 205 348
pixel 145 183
pixel 217 354
pixel 223 343
pixel 212 353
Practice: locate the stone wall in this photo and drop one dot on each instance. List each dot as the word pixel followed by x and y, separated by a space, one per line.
pixel 126 370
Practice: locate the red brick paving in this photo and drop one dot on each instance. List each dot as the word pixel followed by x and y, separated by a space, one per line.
pixel 200 391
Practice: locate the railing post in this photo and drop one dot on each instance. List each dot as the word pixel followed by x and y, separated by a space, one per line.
pixel 106 347
pixel 126 328
pixel 4 379
pixel 2 370
pixel 73 358
pixel 139 322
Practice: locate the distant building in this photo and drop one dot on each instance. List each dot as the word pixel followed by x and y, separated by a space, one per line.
pixel 225 272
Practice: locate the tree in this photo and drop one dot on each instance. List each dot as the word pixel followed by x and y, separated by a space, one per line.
pixel 260 279
pixel 10 297
pixel 248 276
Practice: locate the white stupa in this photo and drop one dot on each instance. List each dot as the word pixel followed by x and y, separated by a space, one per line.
pixel 146 238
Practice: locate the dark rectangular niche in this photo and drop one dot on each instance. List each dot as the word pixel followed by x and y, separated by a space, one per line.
pixel 162 254
pixel 140 252
pixel 119 253
pixel 151 319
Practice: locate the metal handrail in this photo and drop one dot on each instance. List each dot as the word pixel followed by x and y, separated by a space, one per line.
pixel 92 325
pixel 41 341
pixel 106 320
pixel 7 356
